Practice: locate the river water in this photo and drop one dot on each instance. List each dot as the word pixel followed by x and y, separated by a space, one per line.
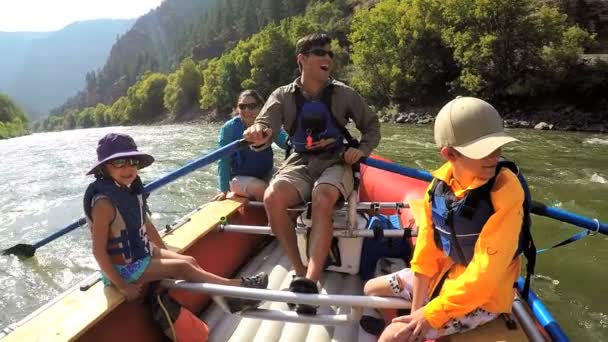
pixel 43 179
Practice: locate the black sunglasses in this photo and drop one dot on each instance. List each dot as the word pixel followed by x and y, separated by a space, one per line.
pixel 122 162
pixel 322 52
pixel 250 106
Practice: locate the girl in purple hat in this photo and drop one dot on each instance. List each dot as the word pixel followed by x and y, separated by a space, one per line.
pixel 126 245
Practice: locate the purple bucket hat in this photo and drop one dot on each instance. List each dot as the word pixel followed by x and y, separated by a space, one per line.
pixel 117 145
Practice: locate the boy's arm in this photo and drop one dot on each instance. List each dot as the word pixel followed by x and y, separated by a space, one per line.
pixel 427 256
pixel 494 252
pixel 420 290
pixel 366 121
pixel 101 215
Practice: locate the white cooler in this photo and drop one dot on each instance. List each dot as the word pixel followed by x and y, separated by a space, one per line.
pixel 348 248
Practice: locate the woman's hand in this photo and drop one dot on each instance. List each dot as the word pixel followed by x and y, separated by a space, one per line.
pixel 219 197
pixel 415 328
pixel 131 291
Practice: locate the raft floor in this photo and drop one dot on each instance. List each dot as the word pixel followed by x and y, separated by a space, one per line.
pixel 272 260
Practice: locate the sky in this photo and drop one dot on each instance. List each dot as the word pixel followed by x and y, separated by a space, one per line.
pixel 52 15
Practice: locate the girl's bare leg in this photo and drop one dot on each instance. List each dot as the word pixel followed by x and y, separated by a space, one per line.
pixel 182 269
pixel 168 254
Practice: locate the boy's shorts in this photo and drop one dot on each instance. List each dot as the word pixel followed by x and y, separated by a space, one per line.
pixel 401 283
pixel 130 272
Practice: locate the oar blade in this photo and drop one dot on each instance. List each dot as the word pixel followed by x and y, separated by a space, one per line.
pixel 22 250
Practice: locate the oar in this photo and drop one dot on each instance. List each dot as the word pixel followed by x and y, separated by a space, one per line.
pixel 27 250
pixel 536 207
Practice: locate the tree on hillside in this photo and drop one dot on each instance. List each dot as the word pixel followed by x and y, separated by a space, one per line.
pixel 271 61
pixel 53 123
pixel 415 51
pixel 269 11
pixel 146 98
pixel 221 85
pixel 267 59
pixel 119 111
pixel 13 121
pixel 397 53
pixel 294 7
pixel 183 88
pixel 100 115
pixel 502 47
pixel 246 25
pixel 86 118
pixel 69 119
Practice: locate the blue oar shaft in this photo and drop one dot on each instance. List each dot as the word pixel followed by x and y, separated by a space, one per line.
pixel 566 216
pixel 168 178
pixel 193 165
pixel 58 233
pixel 537 208
pixel 398 169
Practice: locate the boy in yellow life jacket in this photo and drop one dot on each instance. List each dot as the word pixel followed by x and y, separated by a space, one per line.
pixel 466 252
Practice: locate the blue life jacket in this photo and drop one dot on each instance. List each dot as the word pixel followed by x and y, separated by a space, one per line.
pixel 131 204
pixel 315 128
pixel 247 162
pixel 458 222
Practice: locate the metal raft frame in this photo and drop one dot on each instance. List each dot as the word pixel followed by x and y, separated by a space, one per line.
pixel 353 304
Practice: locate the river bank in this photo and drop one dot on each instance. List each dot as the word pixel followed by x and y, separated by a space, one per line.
pixel 559 117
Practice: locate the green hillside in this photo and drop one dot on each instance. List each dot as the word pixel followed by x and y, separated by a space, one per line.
pixel 398 53
pixel 177 29
pixel 13 122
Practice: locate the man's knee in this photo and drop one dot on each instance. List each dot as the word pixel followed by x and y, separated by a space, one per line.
pixel 324 197
pixel 272 195
pixel 280 194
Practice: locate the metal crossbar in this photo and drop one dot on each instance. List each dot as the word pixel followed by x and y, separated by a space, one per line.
pixel 367 233
pixel 353 302
pixel 360 205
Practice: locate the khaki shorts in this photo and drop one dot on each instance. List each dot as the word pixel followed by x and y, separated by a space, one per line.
pixel 306 172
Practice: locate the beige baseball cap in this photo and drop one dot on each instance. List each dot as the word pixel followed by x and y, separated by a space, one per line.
pixel 471 126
